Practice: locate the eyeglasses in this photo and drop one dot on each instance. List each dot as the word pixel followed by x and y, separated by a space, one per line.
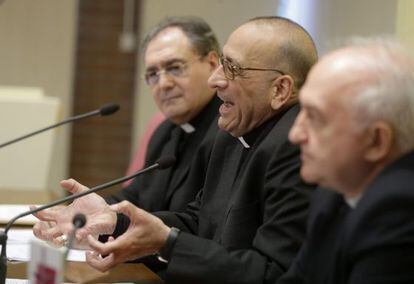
pixel 232 70
pixel 176 69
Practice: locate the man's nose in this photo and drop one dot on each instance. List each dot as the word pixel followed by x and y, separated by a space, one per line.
pixel 165 80
pixel 297 133
pixel 217 79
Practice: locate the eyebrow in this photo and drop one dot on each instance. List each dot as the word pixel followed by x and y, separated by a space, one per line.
pixel 231 60
pixel 166 63
pixel 314 111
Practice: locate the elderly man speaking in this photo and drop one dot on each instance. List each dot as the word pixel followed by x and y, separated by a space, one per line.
pixel 247 223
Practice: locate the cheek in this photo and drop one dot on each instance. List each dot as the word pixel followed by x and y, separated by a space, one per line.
pixel 157 99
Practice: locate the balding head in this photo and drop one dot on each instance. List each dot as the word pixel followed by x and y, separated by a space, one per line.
pixel 357 115
pixel 293 50
pixel 383 85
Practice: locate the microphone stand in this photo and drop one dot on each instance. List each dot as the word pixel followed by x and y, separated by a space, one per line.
pixel 106 110
pixel 79 220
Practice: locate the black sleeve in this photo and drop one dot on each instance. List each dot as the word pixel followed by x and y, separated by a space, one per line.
pixel 275 243
pixel 389 265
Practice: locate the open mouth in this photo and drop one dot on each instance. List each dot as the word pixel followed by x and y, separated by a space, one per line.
pixel 226 107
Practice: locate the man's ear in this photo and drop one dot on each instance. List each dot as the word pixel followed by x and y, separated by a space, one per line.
pixel 380 142
pixel 282 91
pixel 213 59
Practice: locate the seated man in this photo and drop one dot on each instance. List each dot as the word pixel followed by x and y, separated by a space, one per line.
pixel 247 223
pixel 355 130
pixel 180 54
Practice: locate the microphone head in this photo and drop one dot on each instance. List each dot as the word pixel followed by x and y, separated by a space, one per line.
pixel 79 220
pixel 109 109
pixel 166 162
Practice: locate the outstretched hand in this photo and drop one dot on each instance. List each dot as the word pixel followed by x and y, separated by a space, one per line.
pixel 146 235
pixel 56 222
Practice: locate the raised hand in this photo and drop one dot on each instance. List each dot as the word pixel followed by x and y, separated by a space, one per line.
pixel 56 222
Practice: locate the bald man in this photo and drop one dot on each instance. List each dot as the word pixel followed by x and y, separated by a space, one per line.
pixel 247 223
pixel 355 130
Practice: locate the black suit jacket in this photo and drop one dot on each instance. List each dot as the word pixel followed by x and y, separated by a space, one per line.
pixel 173 188
pixel 248 222
pixel 373 243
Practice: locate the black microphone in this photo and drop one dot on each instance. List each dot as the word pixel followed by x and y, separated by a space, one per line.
pixel 162 163
pixel 103 111
pixel 79 220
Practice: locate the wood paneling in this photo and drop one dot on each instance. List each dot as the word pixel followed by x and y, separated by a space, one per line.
pixel 100 148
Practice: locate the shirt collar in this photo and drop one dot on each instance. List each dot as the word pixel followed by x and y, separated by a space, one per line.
pixel 248 140
pixel 353 201
pixel 205 117
pixel 187 127
pixel 244 143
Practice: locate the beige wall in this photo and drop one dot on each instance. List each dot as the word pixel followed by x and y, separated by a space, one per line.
pixel 223 16
pixel 405 23
pixel 37 49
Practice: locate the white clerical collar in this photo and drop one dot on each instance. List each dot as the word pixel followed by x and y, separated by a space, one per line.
pixel 188 128
pixel 353 201
pixel 244 143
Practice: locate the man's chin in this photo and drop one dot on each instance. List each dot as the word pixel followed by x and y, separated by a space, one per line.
pixel 230 130
pixel 308 177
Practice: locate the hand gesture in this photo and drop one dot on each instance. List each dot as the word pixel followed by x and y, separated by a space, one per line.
pixel 56 223
pixel 146 235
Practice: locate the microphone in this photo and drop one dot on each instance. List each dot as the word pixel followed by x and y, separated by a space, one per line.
pixel 162 163
pixel 103 111
pixel 79 220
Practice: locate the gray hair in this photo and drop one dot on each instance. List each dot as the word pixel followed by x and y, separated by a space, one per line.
pixel 388 94
pixel 199 33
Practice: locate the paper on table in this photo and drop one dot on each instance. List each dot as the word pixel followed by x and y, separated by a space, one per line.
pixel 8 211
pixel 16 281
pixel 18 247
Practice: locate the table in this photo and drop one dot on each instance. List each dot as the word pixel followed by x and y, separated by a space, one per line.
pixel 81 272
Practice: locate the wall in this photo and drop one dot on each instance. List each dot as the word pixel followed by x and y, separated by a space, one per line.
pixel 37 49
pixel 405 23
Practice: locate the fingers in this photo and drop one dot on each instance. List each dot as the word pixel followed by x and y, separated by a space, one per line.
pixel 73 186
pixel 128 209
pixel 101 248
pixel 59 241
pixel 82 233
pixel 100 263
pixel 45 215
pixel 49 233
pixel 46 231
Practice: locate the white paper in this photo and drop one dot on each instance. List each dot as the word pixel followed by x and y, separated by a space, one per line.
pixel 7 212
pixel 16 281
pixel 18 246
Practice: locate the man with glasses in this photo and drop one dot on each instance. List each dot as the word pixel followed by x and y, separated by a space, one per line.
pixel 180 54
pixel 248 222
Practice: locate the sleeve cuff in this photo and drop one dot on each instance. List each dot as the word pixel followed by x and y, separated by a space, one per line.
pixel 122 223
pixel 165 253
